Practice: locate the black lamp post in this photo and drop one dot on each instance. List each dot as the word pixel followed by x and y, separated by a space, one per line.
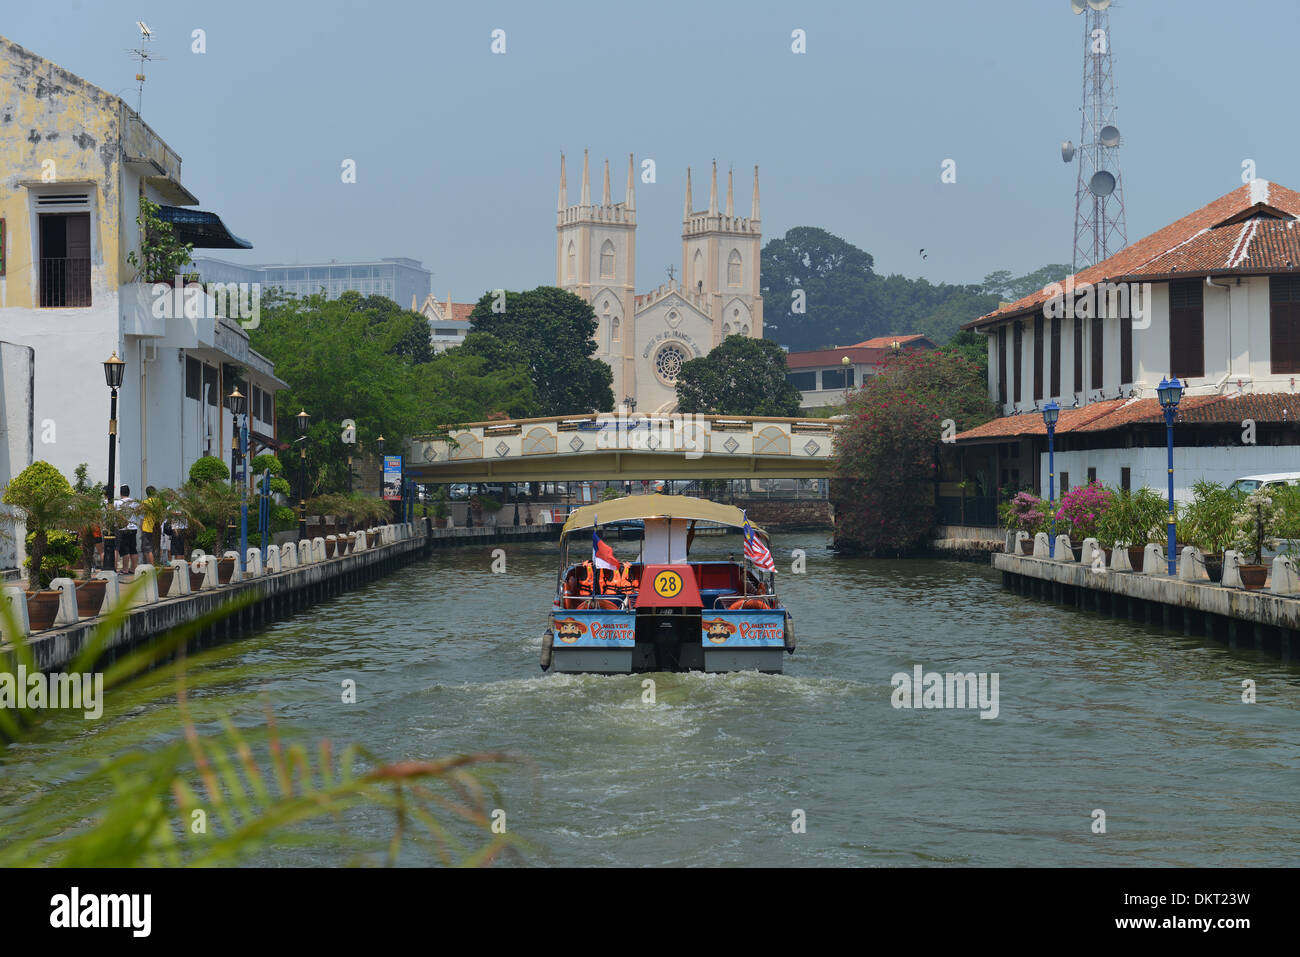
pixel 303 420
pixel 238 406
pixel 1170 392
pixel 114 368
pixel 1051 412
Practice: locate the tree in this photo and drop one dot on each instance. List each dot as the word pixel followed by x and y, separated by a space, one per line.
pixel 552 330
pixel 45 499
pixel 972 346
pixel 740 376
pixel 885 458
pixel 366 359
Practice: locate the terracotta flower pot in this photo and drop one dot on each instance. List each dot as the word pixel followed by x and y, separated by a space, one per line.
pixel 42 609
pixel 1027 547
pixel 196 580
pixel 1253 576
pixel 225 569
pixel 90 597
pixel 1135 556
pixel 165 576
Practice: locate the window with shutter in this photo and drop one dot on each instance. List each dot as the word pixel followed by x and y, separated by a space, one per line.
pixel 1002 365
pixel 1038 357
pixel 1078 354
pixel 1187 329
pixel 1284 324
pixel 1126 349
pixel 1017 355
pixel 1056 356
pixel 1097 353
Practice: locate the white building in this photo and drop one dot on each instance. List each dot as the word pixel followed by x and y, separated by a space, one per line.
pixel 1213 298
pixel 448 321
pixel 824 377
pixel 73 170
pixel 645 339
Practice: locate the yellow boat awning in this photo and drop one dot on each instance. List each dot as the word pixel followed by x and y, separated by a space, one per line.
pixel 657 506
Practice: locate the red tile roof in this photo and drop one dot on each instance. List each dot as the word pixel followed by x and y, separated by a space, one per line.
pixel 1117 413
pixel 1211 239
pixel 868 352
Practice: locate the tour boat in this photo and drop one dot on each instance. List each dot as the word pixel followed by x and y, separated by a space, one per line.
pixel 663 611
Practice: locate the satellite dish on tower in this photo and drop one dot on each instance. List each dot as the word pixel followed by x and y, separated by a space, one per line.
pixel 1077 5
pixel 1102 183
pixel 1067 151
pixel 1109 136
pixel 1098 4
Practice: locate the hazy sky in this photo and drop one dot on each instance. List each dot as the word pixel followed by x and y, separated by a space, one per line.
pixel 457 149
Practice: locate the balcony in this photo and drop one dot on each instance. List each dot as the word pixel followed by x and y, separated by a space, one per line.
pixel 65 283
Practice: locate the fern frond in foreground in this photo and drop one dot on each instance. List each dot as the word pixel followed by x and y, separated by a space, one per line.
pixel 219 795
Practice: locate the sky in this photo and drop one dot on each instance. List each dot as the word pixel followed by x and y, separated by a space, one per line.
pixel 457 148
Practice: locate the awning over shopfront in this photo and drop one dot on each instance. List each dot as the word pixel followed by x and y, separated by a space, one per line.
pixel 202 229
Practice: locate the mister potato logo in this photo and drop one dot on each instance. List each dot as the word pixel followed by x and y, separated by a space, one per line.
pixel 569 629
pixel 718 630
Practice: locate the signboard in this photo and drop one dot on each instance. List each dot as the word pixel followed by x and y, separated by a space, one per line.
pixel 393 478
pixel 594 629
pixel 750 628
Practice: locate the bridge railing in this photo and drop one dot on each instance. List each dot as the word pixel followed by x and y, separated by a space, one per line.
pixel 673 434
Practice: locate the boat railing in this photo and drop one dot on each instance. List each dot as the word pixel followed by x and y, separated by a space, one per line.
pixel 720 602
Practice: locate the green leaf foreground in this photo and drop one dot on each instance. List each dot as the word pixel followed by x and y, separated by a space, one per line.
pixel 257 790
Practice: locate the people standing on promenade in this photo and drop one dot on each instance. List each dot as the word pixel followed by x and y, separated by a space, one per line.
pixel 146 529
pixel 126 537
pixel 175 529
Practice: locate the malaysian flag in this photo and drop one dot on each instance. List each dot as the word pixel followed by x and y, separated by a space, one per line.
pixel 756 551
pixel 602 556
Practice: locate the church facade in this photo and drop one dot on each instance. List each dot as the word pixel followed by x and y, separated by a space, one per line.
pixel 646 338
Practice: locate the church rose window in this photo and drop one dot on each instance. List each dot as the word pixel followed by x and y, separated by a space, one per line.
pixel 668 362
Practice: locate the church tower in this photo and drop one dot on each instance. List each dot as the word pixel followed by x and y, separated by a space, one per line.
pixel 720 261
pixel 595 258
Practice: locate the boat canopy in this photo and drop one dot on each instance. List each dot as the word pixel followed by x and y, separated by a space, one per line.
pixel 657 506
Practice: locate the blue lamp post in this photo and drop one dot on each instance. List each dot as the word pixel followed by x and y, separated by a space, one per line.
pixel 1170 391
pixel 1051 412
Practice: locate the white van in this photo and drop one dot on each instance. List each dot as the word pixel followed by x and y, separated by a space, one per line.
pixel 1250 483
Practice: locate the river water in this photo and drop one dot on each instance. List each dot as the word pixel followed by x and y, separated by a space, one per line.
pixel 1093 714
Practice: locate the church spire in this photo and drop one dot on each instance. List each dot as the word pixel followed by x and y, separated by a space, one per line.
pixel 687 214
pixel 730 204
pixel 604 199
pixel 630 201
pixel 713 191
pixel 753 213
pixel 586 182
pixel 564 189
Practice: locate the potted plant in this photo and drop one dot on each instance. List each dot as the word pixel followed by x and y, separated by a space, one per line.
pixel 1025 512
pixel 45 500
pixel 1207 523
pixel 42 609
pixel 1132 520
pixel 162 255
pixel 1252 524
pixel 1080 512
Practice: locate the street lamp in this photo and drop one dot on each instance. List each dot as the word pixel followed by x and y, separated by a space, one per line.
pixel 1170 392
pixel 1051 412
pixel 114 368
pixel 238 405
pixel 845 361
pixel 303 420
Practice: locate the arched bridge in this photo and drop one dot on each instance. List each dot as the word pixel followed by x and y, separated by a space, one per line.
pixel 668 446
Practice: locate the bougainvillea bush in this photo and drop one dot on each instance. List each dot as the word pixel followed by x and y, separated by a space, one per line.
pixel 886 450
pixel 1026 512
pixel 1082 509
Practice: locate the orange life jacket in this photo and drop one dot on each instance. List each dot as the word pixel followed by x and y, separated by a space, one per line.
pixel 585 579
pixel 622 582
pixel 748 603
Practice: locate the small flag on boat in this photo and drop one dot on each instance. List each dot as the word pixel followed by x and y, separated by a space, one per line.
pixel 756 551
pixel 602 556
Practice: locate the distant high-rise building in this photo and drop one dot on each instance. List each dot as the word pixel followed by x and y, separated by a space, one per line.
pixel 400 279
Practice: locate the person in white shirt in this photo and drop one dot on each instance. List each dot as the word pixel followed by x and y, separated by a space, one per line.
pixel 126 536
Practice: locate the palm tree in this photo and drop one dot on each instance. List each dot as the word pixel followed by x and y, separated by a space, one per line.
pixel 85 514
